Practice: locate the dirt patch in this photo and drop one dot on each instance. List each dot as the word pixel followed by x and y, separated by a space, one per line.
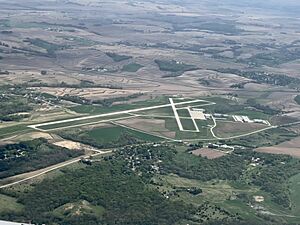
pixel 68 144
pixel 209 153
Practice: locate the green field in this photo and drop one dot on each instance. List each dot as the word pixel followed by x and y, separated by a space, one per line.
pixel 108 137
pixel 183 113
pixel 110 134
pixel 166 111
pixel 13 130
pixel 188 124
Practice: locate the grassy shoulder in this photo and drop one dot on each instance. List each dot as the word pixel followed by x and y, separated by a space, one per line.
pixel 96 109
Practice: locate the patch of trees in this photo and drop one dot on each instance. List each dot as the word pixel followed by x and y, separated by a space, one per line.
pixel 279 56
pixel 3 72
pixel 238 86
pixel 176 68
pixel 49 47
pixel 225 107
pixel 109 101
pixel 263 77
pixel 9 107
pixel 118 58
pixel 273 174
pixel 6 32
pixel 104 102
pixel 31 155
pixel 193 167
pixel 82 84
pixel 123 195
pixel 297 99
pixel 264 108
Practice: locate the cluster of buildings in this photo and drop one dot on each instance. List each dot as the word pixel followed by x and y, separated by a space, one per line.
pixel 246 119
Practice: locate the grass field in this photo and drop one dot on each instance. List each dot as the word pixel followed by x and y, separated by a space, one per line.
pixel 112 134
pixel 13 130
pixel 188 124
pixel 183 113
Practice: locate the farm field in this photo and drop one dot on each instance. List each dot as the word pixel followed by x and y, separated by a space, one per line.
pixel 288 148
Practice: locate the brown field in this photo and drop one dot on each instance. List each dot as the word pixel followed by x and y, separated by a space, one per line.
pixel 209 153
pixel 153 126
pixel 288 148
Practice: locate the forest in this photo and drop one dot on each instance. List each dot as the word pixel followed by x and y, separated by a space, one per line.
pixel 31 155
